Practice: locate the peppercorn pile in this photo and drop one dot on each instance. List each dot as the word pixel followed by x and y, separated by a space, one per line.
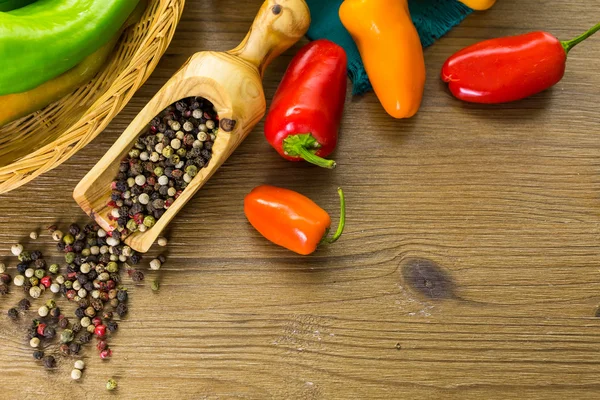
pixel 162 163
pixel 91 279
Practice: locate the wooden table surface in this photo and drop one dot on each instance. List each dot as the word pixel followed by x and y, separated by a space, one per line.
pixel 504 199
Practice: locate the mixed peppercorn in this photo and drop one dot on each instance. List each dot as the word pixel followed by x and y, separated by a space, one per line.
pixel 163 161
pixel 91 279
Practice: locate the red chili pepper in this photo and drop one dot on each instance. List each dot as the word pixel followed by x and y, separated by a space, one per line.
pixel 290 219
pixel 307 109
pixel 509 68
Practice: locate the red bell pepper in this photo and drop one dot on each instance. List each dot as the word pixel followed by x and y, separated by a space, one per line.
pixel 509 68
pixel 305 115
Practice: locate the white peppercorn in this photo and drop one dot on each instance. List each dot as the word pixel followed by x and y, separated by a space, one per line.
pixel 144 156
pixel 85 322
pixel 19 280
pixel 142 228
pixel 16 249
pixel 57 235
pixel 35 292
pixel 155 264
pixel 55 288
pixel 197 144
pixel 163 180
pixel 159 148
pixel 76 374
pixel 144 198
pixel 103 249
pixel 210 124
pixel 33 235
pixel 176 144
pixel 2 268
pixel 82 293
pixel 175 125
pixel 162 241
pixel 76 285
pixel 85 268
pixel 43 311
pixel 172 192
pixel 29 272
pixel 101 233
pixel 115 212
pixel 114 257
pixel 112 241
pixel 213 137
pixel 95 250
pixel 179 135
pixel 187 178
pixel 122 258
pixel 79 364
pixel 154 157
pixel 188 126
pixel 140 180
pixel 202 128
pixel 34 342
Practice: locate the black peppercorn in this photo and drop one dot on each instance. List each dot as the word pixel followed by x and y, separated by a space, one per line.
pixel 49 362
pixel 85 337
pixel 76 327
pixel 55 312
pixel 38 354
pixel 3 289
pixel 80 312
pixel 162 258
pixel 112 326
pixel 13 313
pixel 22 267
pixel 122 295
pixel 82 278
pixel 78 246
pixel 208 146
pixel 97 304
pixel 63 323
pixel 137 275
pixel 135 259
pixel 24 305
pixel 74 348
pixel 84 303
pixel 49 332
pixel 89 286
pixel 36 254
pixel 40 263
pixel 74 229
pixel 60 246
pixel 121 310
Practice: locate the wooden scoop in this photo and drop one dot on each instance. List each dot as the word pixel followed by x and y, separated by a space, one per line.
pixel 232 81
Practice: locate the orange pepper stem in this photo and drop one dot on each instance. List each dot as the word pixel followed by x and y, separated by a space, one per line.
pixel 341 224
pixel 568 45
pixel 305 146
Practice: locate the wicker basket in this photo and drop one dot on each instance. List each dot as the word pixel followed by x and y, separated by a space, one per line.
pixel 45 139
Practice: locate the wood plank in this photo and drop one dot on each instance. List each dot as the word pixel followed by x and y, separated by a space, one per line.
pixel 503 198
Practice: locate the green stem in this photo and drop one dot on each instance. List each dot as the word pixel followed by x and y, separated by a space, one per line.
pixel 342 222
pixel 314 159
pixel 568 45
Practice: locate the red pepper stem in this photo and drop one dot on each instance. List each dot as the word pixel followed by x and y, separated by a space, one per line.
pixel 568 45
pixel 298 146
pixel 342 222
pixel 315 159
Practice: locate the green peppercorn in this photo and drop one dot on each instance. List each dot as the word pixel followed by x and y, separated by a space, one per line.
pixel 67 336
pixel 132 226
pixel 191 170
pixel 175 159
pixel 69 284
pixel 51 304
pixel 111 384
pixel 86 252
pixel 134 153
pixel 158 171
pixel 167 151
pixel 112 267
pixel 54 268
pixel 70 257
pixel 182 152
pixel 34 281
pixel 149 221
pixel 155 285
pixel 68 239
pixel 24 256
pixel 39 273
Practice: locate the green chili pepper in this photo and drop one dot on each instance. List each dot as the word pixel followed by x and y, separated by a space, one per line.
pixel 9 5
pixel 49 37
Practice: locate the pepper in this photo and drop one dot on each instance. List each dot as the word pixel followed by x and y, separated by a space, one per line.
pixel 290 219
pixel 9 5
pixel 49 37
pixel 479 5
pixel 305 115
pixel 509 68
pixel 391 52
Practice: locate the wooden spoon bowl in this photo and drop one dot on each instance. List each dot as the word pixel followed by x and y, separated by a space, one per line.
pixel 232 81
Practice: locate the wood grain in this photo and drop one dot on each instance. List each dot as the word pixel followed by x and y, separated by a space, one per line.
pixel 505 199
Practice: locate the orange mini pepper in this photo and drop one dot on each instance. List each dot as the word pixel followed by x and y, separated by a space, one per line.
pixel 478 5
pixel 391 52
pixel 291 220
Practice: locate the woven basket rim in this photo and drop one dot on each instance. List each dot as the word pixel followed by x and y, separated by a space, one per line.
pixel 157 37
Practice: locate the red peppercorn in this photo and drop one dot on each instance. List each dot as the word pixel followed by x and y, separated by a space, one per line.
pixel 178 193
pixel 138 218
pixel 71 294
pixel 96 321
pixel 101 345
pixel 100 331
pixel 151 180
pixel 110 285
pixel 104 354
pixel 46 281
pixel 72 275
pixel 113 185
pixel 40 329
pixel 111 204
pixel 168 203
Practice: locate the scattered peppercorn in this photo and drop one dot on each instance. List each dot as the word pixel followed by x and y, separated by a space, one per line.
pixel 38 354
pixel 24 305
pixel 49 362
pixel 14 314
pixel 111 384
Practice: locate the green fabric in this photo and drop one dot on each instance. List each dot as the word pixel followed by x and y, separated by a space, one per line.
pixel 432 18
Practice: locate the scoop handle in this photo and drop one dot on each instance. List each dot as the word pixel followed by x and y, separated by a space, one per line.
pixel 277 27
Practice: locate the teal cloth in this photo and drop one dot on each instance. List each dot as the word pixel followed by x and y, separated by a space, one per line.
pixel 432 18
